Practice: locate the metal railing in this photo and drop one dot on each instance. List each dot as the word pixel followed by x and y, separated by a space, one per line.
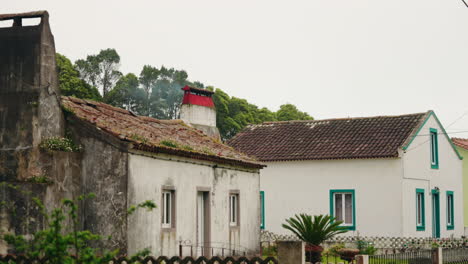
pixel 455 256
pixel 215 249
pixel 153 260
pixel 409 257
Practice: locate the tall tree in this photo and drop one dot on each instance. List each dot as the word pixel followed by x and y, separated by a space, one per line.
pixel 126 94
pixel 101 70
pixel 70 83
pixel 148 78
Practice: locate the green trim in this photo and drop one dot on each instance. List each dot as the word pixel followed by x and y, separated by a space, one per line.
pixel 435 213
pixel 431 113
pixel 433 131
pixel 421 227
pixel 452 225
pixel 332 207
pixel 262 212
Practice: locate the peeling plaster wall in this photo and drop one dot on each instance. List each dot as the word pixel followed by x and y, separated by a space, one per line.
pixel 149 175
pixel 104 173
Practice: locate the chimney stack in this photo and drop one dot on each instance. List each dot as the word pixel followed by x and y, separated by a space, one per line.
pixel 198 110
pixel 29 95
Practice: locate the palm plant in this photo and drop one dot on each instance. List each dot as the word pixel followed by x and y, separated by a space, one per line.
pixel 314 231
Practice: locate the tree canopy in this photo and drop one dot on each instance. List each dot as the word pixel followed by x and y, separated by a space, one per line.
pixel 70 82
pixel 156 92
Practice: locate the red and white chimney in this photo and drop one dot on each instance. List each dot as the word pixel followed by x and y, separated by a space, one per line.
pixel 198 110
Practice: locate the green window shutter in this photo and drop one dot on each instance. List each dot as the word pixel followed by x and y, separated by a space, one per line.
pixel 262 208
pixel 420 210
pixel 450 212
pixel 434 147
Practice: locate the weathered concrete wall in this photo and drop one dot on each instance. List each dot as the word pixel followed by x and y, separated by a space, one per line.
pixel 29 98
pixel 104 173
pixel 19 214
pixel 29 113
pixel 150 175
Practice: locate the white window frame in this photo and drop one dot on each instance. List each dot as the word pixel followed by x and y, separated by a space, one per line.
pixel 167 208
pixel 343 207
pixel 233 209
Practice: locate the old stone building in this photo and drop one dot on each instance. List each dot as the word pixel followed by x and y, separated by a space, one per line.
pixel 207 193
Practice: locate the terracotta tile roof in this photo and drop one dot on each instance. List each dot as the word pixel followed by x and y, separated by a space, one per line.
pixel 461 142
pixel 345 138
pixel 153 135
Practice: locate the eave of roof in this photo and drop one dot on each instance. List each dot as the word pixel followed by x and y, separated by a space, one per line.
pixel 461 142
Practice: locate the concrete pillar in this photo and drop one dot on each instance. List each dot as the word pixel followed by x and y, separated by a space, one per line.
pixel 291 252
pixel 437 256
pixel 362 259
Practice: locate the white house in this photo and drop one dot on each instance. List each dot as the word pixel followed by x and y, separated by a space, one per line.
pixel 383 176
pixel 206 192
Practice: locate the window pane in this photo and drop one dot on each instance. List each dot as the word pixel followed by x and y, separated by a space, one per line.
pixel 348 208
pixel 339 207
pixel 449 209
pixel 418 209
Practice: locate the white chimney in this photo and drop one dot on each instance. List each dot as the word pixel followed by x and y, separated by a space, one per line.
pixel 198 110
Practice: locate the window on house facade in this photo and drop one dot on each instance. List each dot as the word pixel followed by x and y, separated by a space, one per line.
pixel 434 145
pixel 450 214
pixel 262 209
pixel 420 210
pixel 342 207
pixel 168 208
pixel 234 209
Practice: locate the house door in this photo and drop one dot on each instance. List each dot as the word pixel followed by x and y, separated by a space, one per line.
pixel 203 224
pixel 435 214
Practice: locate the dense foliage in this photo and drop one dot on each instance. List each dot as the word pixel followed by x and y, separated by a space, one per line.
pixel 61 245
pixel 156 92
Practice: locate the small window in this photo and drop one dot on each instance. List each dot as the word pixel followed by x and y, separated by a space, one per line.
pixel 168 209
pixel 234 209
pixel 420 210
pixel 262 210
pixel 434 148
pixel 342 207
pixel 450 219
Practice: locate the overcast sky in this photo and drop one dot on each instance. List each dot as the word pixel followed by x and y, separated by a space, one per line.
pixel 335 58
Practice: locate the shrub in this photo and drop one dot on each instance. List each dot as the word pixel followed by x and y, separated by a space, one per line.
pixel 59 144
pixel 60 246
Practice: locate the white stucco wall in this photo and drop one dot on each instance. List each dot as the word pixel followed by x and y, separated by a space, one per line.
pixel 148 175
pixel 196 114
pixel 304 187
pixel 419 174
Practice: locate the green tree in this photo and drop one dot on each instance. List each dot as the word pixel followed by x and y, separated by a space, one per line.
pixel 70 83
pixel 148 77
pixel 101 70
pixel 127 94
pixel 290 112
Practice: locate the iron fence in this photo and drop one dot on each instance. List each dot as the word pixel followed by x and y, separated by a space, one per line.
pixel 408 257
pixel 455 255
pixel 11 259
